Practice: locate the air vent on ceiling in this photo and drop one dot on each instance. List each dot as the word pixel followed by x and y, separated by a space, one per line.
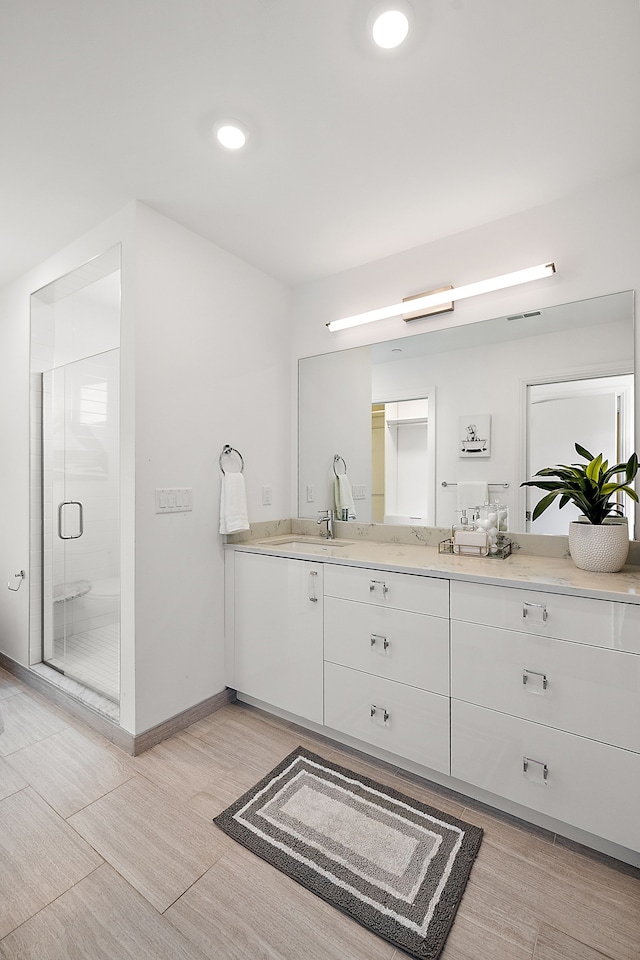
pixel 524 316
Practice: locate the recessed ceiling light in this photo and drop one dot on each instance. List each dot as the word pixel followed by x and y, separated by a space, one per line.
pixel 231 134
pixel 390 29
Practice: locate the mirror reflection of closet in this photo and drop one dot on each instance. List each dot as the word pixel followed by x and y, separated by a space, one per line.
pixel 402 461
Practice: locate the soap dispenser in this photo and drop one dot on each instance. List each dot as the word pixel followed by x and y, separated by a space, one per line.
pixel 462 523
pixel 468 540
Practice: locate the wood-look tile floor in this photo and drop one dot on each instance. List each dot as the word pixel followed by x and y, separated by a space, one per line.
pixel 105 856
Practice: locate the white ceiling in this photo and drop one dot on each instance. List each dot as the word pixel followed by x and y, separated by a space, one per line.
pixel 492 107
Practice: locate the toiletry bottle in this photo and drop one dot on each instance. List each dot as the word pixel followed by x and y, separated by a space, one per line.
pixel 469 538
pixel 462 523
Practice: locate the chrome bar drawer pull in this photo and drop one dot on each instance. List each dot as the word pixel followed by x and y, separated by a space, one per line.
pixel 378 583
pixel 535 770
pixel 385 712
pixel 526 607
pixel 312 586
pixel 376 638
pixel 541 680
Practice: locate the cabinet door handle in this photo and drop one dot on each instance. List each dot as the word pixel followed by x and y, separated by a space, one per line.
pixel 526 606
pixel 536 766
pixel 534 673
pixel 385 713
pixel 378 583
pixel 312 586
pixel 375 637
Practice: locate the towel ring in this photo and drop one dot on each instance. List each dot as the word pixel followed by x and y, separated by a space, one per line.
pixel 335 460
pixel 226 450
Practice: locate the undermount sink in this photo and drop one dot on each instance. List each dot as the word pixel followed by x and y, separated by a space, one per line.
pixel 306 546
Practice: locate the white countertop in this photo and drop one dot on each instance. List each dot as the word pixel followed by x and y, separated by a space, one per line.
pixel 518 570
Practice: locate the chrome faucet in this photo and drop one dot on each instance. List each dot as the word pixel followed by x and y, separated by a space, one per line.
pixel 328 518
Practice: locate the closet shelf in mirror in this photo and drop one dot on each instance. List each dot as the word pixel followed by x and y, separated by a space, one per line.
pixel 408 420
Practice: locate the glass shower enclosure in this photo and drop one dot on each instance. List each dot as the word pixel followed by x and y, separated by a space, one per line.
pixel 75 360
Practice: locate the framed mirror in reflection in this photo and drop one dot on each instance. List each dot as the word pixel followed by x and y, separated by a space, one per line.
pixel 393 411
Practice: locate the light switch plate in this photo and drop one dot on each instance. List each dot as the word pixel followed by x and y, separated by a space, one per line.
pixel 173 499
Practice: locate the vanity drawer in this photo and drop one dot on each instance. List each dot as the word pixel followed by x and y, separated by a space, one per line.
pixel 409 647
pixel 416 724
pixel 584 690
pixel 590 785
pixel 602 623
pixel 402 591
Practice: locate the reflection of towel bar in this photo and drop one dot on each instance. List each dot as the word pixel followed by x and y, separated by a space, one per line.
pixel 445 484
pixel 226 450
pixel 335 460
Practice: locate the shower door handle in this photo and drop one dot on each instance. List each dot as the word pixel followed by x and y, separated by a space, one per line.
pixel 69 503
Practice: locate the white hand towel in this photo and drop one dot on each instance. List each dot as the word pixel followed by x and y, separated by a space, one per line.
pixel 233 504
pixel 343 497
pixel 472 493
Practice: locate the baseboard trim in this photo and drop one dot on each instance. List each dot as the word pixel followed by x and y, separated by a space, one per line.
pixel 144 741
pixel 133 744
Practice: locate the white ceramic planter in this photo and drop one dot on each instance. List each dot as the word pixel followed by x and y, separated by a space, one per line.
pixel 599 548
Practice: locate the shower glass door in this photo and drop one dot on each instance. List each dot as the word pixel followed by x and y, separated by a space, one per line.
pixel 80 485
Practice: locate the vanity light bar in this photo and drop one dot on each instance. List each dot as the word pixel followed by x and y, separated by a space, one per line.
pixel 451 294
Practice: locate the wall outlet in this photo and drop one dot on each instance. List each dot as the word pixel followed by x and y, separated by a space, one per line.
pixel 310 497
pixel 359 491
pixel 266 496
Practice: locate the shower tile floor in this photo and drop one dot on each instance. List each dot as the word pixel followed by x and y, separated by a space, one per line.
pixel 92 658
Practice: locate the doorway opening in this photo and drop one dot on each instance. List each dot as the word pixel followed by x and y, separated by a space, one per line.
pixel 403 462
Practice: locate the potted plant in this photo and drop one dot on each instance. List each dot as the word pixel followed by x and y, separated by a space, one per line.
pixel 599 540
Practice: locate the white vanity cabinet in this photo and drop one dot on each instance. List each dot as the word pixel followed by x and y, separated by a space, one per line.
pixel 278 628
pixel 545 706
pixel 386 651
pixel 525 698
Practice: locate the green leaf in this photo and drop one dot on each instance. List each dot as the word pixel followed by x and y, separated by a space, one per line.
pixel 594 467
pixel 632 467
pixel 542 505
pixel 612 471
pixel 584 452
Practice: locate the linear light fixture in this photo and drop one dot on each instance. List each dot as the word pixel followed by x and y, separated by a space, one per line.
pixel 445 296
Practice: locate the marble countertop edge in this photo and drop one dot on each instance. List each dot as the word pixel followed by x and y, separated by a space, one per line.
pixel 551 574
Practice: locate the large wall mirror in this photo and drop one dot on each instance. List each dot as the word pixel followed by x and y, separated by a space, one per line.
pixel 415 421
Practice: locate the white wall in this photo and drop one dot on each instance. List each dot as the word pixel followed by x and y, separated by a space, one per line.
pixel 593 237
pixel 211 368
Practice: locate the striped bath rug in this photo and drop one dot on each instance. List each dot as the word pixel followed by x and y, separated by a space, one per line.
pixel 397 866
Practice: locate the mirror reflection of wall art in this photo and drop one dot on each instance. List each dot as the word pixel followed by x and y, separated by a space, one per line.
pixel 474 432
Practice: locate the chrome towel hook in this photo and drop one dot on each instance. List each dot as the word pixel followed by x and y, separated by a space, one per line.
pixel 336 460
pixel 22 574
pixel 226 450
